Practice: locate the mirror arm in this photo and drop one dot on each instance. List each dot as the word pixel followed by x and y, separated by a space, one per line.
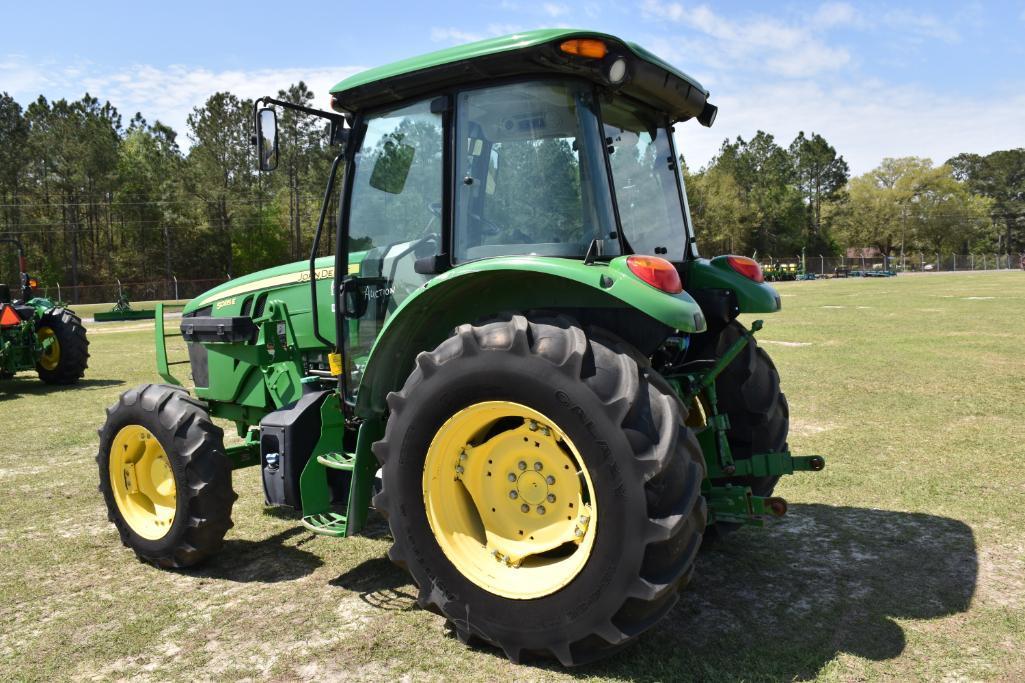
pixel 330 116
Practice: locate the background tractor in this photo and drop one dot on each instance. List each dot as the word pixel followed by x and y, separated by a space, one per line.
pixel 515 355
pixel 37 333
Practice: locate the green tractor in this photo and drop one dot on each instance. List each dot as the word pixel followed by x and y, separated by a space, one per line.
pixel 38 334
pixel 515 355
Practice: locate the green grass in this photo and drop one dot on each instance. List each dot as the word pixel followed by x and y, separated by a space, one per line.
pixel 904 559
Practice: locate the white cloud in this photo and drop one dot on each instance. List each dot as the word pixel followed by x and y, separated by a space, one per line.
pixel 555 11
pixel 790 72
pixel 758 43
pixel 918 25
pixel 836 14
pixel 168 93
pixel 456 36
pixel 866 121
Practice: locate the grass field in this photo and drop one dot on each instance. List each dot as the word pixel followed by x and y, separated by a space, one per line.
pixel 904 559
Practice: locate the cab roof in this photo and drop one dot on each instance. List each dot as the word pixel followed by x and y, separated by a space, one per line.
pixel 530 53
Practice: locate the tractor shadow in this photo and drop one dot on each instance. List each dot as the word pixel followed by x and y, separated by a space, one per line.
pixel 268 560
pixel 30 385
pixel 380 584
pixel 777 603
pixel 780 603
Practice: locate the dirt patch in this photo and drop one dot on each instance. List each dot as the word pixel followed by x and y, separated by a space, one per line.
pixel 799 427
pixel 783 343
pixel 1002 576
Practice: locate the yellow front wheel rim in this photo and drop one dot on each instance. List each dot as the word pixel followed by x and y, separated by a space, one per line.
pixel 51 356
pixel 143 482
pixel 509 499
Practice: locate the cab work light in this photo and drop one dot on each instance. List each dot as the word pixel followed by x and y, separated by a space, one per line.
pixel 585 47
pixel 747 267
pixel 657 272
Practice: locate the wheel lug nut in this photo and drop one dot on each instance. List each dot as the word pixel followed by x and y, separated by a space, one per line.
pixel 524 508
pixel 551 497
pixel 459 469
pixel 550 479
pixel 532 425
pixel 514 495
pixel 578 532
pixel 541 509
pixel 512 477
pixel 538 466
pixel 522 465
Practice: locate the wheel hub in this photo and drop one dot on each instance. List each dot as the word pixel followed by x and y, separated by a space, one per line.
pixel 532 487
pixel 50 358
pixel 509 499
pixel 142 482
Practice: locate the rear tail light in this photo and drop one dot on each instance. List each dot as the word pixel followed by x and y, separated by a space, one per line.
pixel 657 272
pixel 747 267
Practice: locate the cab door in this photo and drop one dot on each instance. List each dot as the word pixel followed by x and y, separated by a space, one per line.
pixel 395 217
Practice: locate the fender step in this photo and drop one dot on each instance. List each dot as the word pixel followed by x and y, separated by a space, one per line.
pixel 326 524
pixel 338 461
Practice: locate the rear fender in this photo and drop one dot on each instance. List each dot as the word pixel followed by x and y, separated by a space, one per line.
pixel 476 290
pixel 750 296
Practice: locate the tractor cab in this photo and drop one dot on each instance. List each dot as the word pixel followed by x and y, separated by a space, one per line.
pixel 540 167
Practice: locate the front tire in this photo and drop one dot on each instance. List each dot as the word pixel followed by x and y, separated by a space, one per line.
pixel 164 476
pixel 604 410
pixel 67 357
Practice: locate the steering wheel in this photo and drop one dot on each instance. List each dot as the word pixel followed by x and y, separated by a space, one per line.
pixel 489 228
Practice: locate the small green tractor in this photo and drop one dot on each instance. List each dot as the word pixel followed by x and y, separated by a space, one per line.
pixel 38 334
pixel 515 354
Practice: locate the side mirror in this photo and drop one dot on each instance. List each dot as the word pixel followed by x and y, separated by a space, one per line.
pixel 267 138
pixel 338 134
pixel 354 299
pixel 392 167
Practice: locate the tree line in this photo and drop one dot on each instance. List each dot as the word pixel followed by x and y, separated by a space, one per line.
pixel 756 196
pixel 94 198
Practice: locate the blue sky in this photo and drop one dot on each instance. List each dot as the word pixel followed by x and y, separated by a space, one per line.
pixel 876 79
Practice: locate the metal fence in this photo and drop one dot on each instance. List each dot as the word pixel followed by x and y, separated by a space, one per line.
pixel 136 291
pixel 821 266
pixel 908 263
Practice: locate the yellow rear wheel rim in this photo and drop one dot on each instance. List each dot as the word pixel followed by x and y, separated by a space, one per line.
pixel 51 357
pixel 509 500
pixel 143 482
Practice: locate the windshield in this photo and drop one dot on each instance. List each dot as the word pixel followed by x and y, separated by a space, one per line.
pixel 644 173
pixel 530 175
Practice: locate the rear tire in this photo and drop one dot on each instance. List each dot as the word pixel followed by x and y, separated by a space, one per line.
pixel 200 498
pixel 628 428
pixel 68 362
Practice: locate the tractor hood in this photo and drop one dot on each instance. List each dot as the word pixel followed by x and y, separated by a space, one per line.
pixel 287 275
